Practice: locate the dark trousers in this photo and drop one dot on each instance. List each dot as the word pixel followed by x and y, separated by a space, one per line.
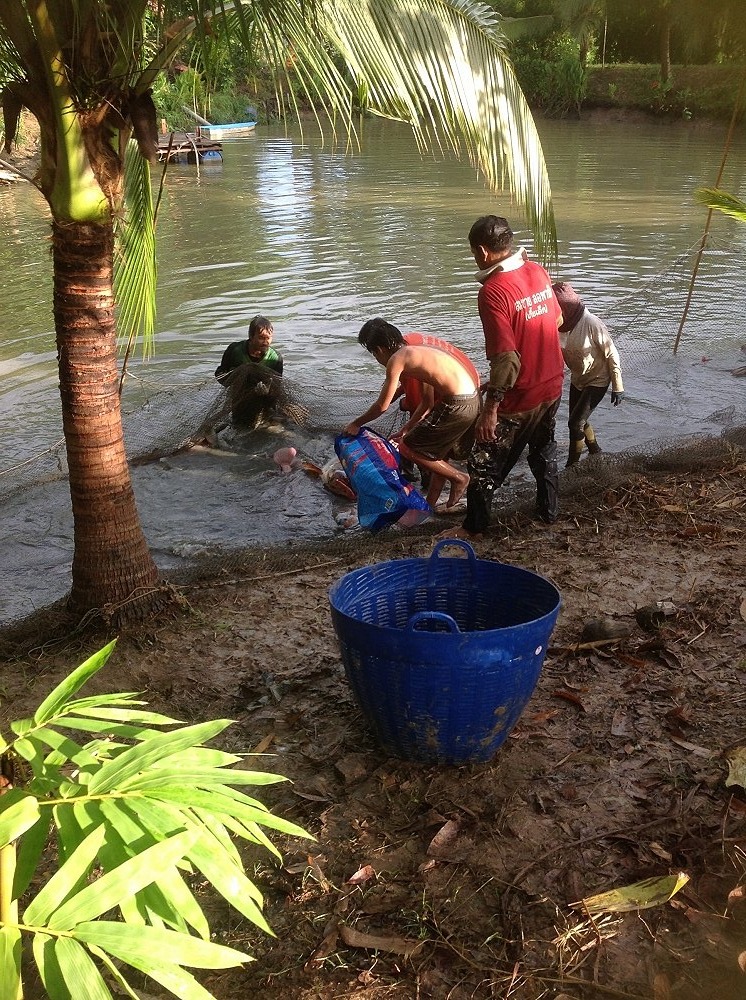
pixel 582 403
pixel 490 463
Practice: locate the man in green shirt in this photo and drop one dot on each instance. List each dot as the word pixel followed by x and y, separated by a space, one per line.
pixel 257 349
pixel 252 369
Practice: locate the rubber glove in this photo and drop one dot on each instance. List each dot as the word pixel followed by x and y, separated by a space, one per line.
pixel 616 398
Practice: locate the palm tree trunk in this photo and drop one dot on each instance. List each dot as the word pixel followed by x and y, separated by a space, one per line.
pixel 112 564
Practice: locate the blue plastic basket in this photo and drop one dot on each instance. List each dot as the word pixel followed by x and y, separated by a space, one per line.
pixel 443 654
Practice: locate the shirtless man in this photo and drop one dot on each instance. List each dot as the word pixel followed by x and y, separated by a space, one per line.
pixel 447 412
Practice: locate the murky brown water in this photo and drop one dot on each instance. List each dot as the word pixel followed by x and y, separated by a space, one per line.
pixel 321 241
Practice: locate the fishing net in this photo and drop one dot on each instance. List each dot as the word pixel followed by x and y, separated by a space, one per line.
pixel 167 418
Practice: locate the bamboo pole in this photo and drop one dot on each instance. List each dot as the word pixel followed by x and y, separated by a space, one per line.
pixel 703 240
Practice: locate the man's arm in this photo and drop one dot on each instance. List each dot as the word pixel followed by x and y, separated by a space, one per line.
pixel 226 363
pixel 385 397
pixel 504 371
pixel 424 407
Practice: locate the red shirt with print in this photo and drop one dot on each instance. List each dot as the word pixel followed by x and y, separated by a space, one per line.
pixel 519 312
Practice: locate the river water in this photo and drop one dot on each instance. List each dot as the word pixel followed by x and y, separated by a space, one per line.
pixel 320 240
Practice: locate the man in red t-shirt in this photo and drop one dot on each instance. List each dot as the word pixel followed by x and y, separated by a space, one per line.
pixel 520 316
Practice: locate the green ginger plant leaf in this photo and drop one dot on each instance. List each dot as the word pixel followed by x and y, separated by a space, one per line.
pixel 139 806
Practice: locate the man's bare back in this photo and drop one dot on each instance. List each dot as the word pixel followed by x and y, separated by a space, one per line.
pixel 435 367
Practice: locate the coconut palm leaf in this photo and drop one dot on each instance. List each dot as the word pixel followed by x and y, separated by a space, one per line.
pixel 441 66
pixel 135 267
pixel 721 201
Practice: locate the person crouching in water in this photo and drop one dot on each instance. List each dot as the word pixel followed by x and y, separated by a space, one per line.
pixel 252 369
pixel 593 362
pixel 446 414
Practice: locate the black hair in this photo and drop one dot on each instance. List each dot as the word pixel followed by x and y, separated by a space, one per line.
pixel 492 232
pixel 258 324
pixel 378 333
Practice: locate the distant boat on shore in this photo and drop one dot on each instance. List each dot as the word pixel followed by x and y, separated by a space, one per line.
pixel 234 130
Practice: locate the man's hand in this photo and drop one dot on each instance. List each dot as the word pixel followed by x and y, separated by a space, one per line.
pixel 352 429
pixel 487 423
pixel 616 398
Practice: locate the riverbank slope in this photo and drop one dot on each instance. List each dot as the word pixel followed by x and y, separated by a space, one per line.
pixel 615 773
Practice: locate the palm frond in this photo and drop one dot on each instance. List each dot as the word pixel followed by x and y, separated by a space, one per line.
pixel 721 201
pixel 449 65
pixel 135 266
pixel 441 66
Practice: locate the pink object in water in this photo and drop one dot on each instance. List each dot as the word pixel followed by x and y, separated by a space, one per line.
pixel 284 458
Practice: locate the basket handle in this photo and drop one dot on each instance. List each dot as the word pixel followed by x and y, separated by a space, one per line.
pixel 432 616
pixel 431 567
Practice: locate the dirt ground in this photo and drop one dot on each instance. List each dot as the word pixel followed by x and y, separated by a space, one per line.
pixel 427 881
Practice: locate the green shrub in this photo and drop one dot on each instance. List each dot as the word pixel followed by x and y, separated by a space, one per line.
pixel 224 107
pixel 702 91
pixel 171 96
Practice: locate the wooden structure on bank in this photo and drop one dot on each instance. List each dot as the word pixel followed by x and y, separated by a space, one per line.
pixel 188 147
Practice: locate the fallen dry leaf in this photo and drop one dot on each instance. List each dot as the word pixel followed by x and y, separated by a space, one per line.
pixel 637 896
pixel 679 715
pixel 692 530
pixel 619 726
pixel 362 875
pixel 318 874
pixel 736 897
pixel 540 718
pixel 444 838
pixel 327 946
pixel 659 851
pixel 736 758
pixel 731 504
pixel 379 942
pixel 569 696
pixel 264 744
pixel 692 747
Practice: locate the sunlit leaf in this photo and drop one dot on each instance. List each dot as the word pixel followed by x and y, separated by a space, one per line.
pixel 152 946
pixel 49 969
pixel 127 879
pixel 18 813
pixel 65 880
pixel 223 800
pixel 721 201
pixel 199 778
pixel 116 773
pixel 55 702
pixel 638 896
pixel 229 881
pixel 67 749
pixel 79 970
pixel 176 979
pixel 10 961
pixel 135 269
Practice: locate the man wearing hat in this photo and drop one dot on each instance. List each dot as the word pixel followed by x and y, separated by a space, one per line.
pixel 520 316
pixel 593 361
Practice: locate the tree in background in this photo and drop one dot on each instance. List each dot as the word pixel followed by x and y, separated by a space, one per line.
pixel 85 70
pixel 583 19
pixel 676 31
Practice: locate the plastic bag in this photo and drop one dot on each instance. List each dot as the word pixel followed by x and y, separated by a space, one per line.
pixel 372 466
